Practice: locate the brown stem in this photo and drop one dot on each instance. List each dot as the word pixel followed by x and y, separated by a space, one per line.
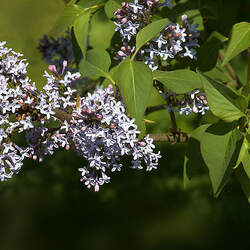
pixel 173 120
pixel 167 137
pixel 63 116
pixel 170 137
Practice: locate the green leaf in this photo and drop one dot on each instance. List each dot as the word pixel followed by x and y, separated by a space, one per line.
pixel 244 157
pixel 223 102
pixel 67 18
pixel 208 53
pixel 149 32
pixel 220 147
pixel 110 7
pixel 179 81
pixel 81 28
pixel 102 31
pixel 96 65
pixel 135 81
pixel 90 3
pixel 239 41
pixel 244 181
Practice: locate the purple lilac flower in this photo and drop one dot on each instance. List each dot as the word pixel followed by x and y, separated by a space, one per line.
pixel 99 129
pixel 174 40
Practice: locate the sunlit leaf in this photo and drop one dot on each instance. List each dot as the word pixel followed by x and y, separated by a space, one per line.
pixel 81 28
pixel 239 41
pixel 223 102
pixel 179 81
pixel 149 32
pixel 135 81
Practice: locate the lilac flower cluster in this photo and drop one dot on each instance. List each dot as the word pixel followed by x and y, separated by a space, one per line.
pixel 192 102
pixel 57 95
pixel 22 106
pixel 130 19
pixel 174 40
pixel 96 126
pixel 111 135
pixel 14 100
pixel 134 16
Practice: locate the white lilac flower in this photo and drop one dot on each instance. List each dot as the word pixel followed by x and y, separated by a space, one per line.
pixel 103 144
pixel 172 40
pixel 99 130
pixel 136 6
pixel 189 53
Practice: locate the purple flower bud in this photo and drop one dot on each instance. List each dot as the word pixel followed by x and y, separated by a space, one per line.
pixel 52 68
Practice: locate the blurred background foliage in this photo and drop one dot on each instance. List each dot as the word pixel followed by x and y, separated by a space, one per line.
pixel 46 206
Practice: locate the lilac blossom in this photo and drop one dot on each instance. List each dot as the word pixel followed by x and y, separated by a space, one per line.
pixel 98 128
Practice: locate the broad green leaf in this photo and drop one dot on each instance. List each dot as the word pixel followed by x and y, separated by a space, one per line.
pixel 244 157
pixel 208 53
pixel 110 7
pixel 240 66
pixel 67 18
pixel 239 41
pixel 81 28
pixel 217 73
pixel 96 65
pixel 135 81
pixel 102 31
pixel 223 102
pixel 244 181
pixel 149 32
pixel 179 81
pixel 220 147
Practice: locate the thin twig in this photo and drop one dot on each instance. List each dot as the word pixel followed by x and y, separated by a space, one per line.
pixel 167 137
pixel 170 137
pixel 155 108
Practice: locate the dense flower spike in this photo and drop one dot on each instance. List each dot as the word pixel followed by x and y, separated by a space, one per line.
pixel 174 40
pixel 103 133
pixel 98 129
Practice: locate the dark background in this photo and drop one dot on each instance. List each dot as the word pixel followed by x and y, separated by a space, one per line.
pixel 46 206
